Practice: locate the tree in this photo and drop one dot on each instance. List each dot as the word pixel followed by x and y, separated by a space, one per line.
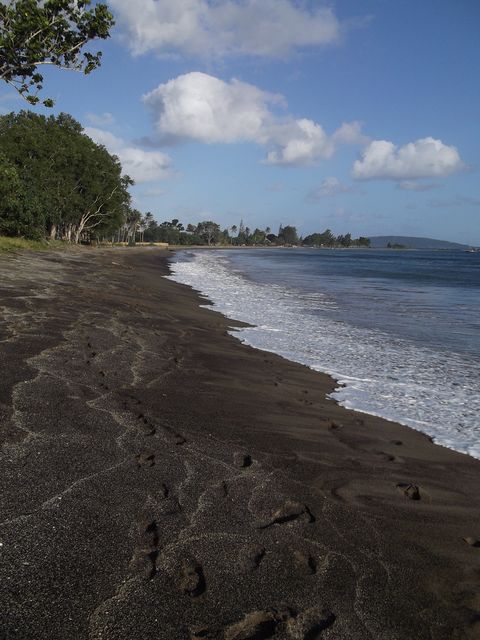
pixel 209 231
pixel 344 241
pixel 147 222
pixel 257 237
pixel 12 217
pixel 363 241
pixel 49 32
pixel 288 234
pixel 71 187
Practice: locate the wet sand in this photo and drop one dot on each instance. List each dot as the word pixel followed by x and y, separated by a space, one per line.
pixel 159 480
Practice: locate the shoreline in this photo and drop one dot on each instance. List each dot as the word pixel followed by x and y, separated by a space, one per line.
pixel 225 289
pixel 163 480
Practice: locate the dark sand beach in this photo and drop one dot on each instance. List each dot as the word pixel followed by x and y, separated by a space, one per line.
pixel 161 481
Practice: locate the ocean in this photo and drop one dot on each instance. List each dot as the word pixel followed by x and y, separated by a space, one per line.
pixel 398 330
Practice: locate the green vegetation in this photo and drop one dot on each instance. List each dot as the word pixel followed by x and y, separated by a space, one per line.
pixel 52 32
pixel 210 233
pixel 56 182
pixel 327 239
pixel 13 244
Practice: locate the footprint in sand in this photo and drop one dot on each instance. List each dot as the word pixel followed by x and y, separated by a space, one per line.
pixel 288 512
pixel 145 459
pixel 242 460
pixel 191 580
pixel 310 624
pixel 473 542
pixel 410 491
pixel 250 558
pixel 259 625
pixel 304 563
pixel 146 427
pixel 144 560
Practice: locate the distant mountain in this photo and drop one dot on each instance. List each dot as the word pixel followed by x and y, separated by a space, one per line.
pixel 380 242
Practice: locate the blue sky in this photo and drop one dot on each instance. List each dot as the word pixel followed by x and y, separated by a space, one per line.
pixel 358 116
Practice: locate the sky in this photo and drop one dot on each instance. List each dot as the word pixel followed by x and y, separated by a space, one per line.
pixel 361 117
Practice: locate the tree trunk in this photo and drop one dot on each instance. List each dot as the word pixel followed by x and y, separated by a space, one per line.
pixel 53 231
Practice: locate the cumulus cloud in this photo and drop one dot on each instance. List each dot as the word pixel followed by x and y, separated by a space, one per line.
pixel 201 107
pixel 424 158
pixel 298 142
pixel 100 120
pixel 351 133
pixel 197 106
pixel 328 188
pixel 269 28
pixel 141 165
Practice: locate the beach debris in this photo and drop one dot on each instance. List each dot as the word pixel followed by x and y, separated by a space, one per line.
pixel 192 580
pixel 242 460
pixel 250 557
pixel 304 562
pixel 310 623
pixel 473 542
pixel 289 511
pixel 411 491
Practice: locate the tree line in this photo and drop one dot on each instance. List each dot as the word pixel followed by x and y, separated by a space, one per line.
pixel 57 183
pixel 211 233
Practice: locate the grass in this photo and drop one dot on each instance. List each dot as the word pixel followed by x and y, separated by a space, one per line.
pixel 14 244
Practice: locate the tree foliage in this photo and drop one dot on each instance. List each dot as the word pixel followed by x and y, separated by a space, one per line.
pixel 288 234
pixel 63 184
pixel 49 32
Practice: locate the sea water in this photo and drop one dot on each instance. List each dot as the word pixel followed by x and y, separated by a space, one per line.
pixel 398 330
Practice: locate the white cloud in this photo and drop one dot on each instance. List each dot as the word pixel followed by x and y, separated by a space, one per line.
pixel 270 28
pixel 200 107
pixel 328 188
pixel 298 142
pixel 100 120
pixel 424 158
pixel 350 133
pixel 141 165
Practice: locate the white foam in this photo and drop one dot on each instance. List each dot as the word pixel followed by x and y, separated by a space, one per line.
pixel 437 393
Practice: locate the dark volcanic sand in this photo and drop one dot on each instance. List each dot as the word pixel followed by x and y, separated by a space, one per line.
pixel 161 481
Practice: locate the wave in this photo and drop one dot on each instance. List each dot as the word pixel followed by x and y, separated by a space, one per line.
pixel 435 392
